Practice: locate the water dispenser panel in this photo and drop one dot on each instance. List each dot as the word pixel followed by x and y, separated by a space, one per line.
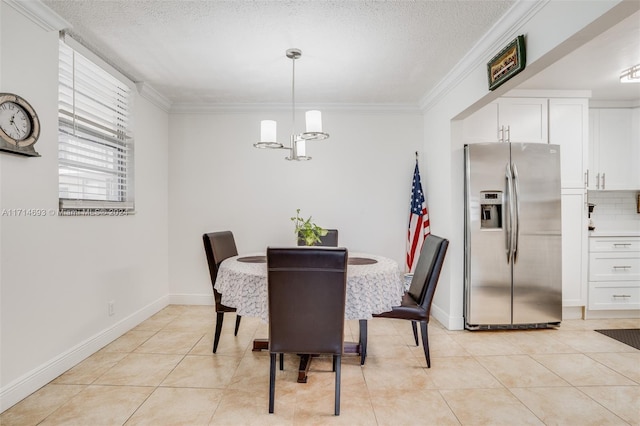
pixel 491 209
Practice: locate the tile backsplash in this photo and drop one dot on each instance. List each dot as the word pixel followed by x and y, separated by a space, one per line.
pixel 615 210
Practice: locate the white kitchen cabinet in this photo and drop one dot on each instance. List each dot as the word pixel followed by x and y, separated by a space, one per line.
pixel 614 273
pixel 509 120
pixel 574 248
pixel 569 128
pixel 524 119
pixel 614 149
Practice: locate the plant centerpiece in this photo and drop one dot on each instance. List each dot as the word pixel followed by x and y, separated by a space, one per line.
pixel 306 230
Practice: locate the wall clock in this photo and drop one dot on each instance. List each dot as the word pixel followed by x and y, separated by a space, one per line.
pixel 19 125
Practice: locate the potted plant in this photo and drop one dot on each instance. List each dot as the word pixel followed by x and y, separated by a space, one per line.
pixel 306 230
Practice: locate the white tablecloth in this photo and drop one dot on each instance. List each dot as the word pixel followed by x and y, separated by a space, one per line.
pixel 371 289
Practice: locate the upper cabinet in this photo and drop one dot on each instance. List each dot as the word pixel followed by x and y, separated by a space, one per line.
pixel 561 121
pixel 569 128
pixel 509 120
pixel 523 119
pixel 614 149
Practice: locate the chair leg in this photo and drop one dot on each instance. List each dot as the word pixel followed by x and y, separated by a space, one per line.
pixel 272 381
pixel 337 360
pixel 281 361
pixel 414 326
pixel 425 342
pixel 216 338
pixel 363 341
pixel 235 331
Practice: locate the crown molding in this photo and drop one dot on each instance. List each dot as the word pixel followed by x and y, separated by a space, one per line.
pixel 205 108
pixel 152 95
pixel 500 34
pixel 39 13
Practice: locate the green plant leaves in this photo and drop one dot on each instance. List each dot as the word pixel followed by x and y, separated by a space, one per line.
pixel 307 231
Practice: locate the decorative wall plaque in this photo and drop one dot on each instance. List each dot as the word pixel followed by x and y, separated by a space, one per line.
pixel 507 63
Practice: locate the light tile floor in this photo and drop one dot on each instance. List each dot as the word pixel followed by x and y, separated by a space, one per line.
pixel 163 373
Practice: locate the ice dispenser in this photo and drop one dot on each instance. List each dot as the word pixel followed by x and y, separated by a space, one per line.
pixel 491 209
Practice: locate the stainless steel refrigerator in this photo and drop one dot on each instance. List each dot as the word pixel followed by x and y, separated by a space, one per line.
pixel 513 236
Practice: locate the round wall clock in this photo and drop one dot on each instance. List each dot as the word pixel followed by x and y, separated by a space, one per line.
pixel 19 125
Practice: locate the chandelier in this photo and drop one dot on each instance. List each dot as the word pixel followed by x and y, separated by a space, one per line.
pixel 296 147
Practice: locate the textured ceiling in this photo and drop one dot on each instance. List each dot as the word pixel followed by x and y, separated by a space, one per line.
pixel 234 51
pixel 354 51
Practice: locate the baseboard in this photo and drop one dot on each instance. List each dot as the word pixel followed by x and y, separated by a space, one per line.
pixel 23 386
pixel 191 299
pixel 621 314
pixel 572 312
pixel 450 323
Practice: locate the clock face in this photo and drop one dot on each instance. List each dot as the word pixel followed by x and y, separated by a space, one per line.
pixel 14 121
pixel 19 126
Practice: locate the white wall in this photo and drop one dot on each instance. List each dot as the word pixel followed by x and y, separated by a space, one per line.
pixel 566 18
pixel 359 182
pixel 57 274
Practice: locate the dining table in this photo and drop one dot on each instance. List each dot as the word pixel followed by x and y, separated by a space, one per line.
pixel 374 286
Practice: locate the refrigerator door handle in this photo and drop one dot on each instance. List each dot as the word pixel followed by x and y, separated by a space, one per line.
pixel 508 213
pixel 516 203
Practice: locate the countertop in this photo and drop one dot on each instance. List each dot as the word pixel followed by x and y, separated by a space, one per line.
pixel 605 233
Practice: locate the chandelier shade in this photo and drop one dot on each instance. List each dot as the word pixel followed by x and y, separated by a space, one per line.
pixel 268 132
pixel 297 141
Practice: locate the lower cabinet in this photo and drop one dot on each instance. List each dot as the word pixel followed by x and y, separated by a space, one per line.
pixel 614 273
pixel 574 248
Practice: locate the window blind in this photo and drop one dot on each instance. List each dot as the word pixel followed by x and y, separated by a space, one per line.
pixel 95 137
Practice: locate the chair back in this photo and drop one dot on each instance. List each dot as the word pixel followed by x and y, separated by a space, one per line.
pixel 307 294
pixel 427 272
pixel 329 240
pixel 218 246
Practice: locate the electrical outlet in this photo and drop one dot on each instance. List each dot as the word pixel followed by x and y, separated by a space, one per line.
pixel 112 308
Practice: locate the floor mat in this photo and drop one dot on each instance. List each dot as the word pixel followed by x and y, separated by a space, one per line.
pixel 628 336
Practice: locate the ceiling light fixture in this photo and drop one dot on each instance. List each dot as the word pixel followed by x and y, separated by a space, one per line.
pixel 631 75
pixel 297 141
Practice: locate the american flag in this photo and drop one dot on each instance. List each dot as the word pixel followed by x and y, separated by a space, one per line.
pixel 418 222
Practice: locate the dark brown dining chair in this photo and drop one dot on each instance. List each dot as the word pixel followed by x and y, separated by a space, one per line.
pixel 416 302
pixel 329 240
pixel 219 246
pixel 307 293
